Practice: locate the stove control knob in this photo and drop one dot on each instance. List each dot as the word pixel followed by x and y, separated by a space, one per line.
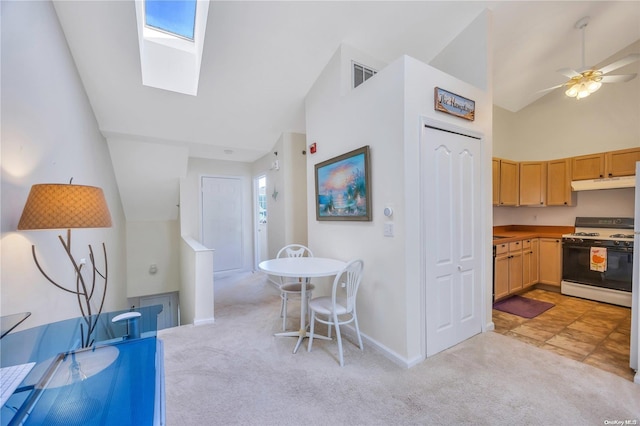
pixel 628 243
pixel 616 243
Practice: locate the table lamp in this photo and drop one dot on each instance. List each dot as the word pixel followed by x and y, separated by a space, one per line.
pixel 67 206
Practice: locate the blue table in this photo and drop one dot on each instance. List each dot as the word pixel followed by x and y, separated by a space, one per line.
pixel 119 380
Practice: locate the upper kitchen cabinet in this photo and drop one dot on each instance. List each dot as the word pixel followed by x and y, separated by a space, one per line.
pixel 605 164
pixel 508 181
pixel 495 165
pixel 533 183
pixel 587 167
pixel 622 163
pixel 559 183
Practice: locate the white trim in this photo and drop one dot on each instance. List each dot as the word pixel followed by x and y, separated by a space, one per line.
pixel 204 321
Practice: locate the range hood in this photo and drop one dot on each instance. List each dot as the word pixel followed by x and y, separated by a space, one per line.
pixel 605 183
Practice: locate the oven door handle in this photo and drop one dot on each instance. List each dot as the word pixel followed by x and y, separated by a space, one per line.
pixel 588 247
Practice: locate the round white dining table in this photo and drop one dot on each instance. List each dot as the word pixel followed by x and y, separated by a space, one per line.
pixel 302 267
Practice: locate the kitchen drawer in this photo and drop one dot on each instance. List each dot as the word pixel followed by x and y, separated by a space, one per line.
pixel 515 246
pixel 502 248
pixel 526 244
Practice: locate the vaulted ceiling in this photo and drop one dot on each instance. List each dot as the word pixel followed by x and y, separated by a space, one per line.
pixel 261 58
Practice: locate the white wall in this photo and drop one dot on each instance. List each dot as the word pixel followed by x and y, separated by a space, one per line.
pixel 49 135
pixel 603 203
pixel 152 243
pixel 276 208
pixel 286 213
pixel 372 114
pixel 295 188
pixel 196 289
pixel 384 113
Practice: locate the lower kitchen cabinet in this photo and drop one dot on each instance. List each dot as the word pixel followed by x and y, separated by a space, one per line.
pixel 530 262
pixel 508 269
pixel 515 266
pixel 550 261
pixel 501 273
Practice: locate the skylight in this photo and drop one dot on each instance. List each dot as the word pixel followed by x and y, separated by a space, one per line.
pixel 175 17
pixel 171 39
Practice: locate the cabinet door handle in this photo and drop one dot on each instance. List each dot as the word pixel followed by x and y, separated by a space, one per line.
pixel 459 268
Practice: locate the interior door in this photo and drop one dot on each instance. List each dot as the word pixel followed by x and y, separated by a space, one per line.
pixel 222 221
pixel 452 184
pixel 261 235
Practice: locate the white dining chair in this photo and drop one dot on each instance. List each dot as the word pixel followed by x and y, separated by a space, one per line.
pixel 289 286
pixel 339 308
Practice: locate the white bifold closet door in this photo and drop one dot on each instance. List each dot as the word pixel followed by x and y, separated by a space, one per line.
pixel 452 233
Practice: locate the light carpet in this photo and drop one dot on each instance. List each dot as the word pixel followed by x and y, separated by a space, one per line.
pixel 235 372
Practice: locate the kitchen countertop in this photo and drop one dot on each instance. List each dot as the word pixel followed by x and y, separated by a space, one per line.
pixel 522 232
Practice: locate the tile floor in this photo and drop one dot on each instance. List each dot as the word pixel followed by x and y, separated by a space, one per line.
pixel 591 332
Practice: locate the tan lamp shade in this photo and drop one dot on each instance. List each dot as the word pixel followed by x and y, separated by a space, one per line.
pixel 65 206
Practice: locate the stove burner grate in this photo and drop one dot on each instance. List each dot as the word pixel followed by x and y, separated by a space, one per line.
pixel 586 234
pixel 621 236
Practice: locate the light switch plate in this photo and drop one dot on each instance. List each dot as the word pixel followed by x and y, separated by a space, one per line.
pixel 388 229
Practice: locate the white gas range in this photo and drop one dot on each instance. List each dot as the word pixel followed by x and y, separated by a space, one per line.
pixel 597 260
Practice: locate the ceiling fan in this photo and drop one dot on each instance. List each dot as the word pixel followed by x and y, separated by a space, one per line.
pixel 587 80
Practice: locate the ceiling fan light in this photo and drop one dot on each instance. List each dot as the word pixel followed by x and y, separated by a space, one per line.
pixel 593 86
pixel 583 91
pixel 572 92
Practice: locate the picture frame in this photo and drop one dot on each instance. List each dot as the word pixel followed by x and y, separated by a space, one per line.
pixel 453 104
pixel 343 187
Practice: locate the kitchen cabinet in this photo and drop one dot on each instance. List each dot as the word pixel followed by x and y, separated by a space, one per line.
pixel 605 164
pixel 495 167
pixel 559 183
pixel 622 162
pixel 533 183
pixel 550 261
pixel 509 183
pixel 515 266
pixel 530 262
pixel 587 167
pixel 501 272
pixel 507 277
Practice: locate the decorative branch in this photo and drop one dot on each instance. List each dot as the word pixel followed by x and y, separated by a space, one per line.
pixel 83 296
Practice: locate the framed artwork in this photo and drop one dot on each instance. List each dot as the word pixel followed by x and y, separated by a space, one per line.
pixel 343 187
pixel 454 104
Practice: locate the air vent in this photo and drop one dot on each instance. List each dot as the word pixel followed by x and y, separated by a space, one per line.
pixel 361 74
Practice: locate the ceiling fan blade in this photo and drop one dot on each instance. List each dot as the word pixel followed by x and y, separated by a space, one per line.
pixel 569 72
pixel 620 63
pixel 548 89
pixel 618 78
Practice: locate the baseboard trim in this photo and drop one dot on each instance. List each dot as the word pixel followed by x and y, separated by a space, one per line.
pixel 204 321
pixel 391 355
